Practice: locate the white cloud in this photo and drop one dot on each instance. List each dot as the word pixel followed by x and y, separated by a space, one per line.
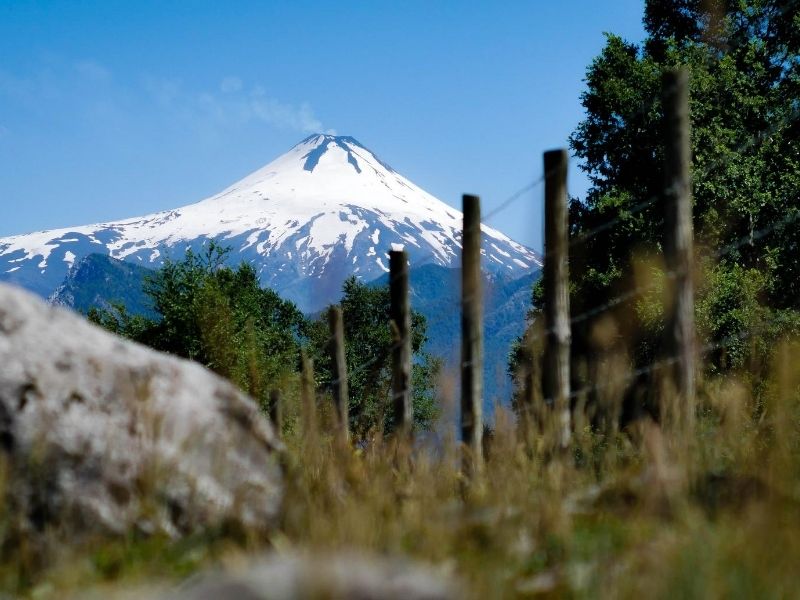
pixel 87 90
pixel 273 112
pixel 164 91
pixel 233 105
pixel 59 81
pixel 91 69
pixel 230 85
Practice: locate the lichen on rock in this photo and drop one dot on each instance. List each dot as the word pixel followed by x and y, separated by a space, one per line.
pixel 101 435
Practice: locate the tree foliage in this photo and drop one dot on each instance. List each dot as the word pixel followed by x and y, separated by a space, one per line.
pixel 744 59
pixel 368 342
pixel 218 316
pixel 222 318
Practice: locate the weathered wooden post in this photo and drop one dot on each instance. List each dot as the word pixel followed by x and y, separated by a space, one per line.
pixel 308 399
pixel 555 376
pixel 678 238
pixel 341 396
pixel 400 315
pixel 276 411
pixel 472 334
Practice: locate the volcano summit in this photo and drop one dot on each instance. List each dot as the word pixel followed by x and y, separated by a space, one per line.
pixel 326 209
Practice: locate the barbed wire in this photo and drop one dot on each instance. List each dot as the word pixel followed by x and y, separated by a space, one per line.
pixel 628 295
pixel 625 214
pixel 672 274
pixel 419 262
pixel 621 298
pixel 756 138
pixel 760 136
pixel 654 366
pixel 512 199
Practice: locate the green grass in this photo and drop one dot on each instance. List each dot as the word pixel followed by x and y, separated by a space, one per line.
pixel 650 512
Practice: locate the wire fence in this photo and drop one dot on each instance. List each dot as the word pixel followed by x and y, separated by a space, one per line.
pixel 628 295
pixel 625 214
pixel 748 239
pixel 583 237
pixel 505 205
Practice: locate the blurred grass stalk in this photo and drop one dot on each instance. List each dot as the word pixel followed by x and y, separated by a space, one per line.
pixel 650 510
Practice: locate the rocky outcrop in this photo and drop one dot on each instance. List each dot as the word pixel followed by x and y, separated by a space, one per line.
pixel 102 435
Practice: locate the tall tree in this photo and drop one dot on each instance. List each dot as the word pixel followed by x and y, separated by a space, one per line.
pixel 744 57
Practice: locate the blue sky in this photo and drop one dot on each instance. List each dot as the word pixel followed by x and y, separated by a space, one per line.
pixel 112 109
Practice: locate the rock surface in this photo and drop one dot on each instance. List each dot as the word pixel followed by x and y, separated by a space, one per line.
pixel 100 435
pixel 341 576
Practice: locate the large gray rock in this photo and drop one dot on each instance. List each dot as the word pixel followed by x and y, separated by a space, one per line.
pixel 102 435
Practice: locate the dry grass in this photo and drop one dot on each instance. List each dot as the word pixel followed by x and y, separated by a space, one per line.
pixel 650 511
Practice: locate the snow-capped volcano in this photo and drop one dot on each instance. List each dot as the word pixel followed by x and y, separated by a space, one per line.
pixel 326 209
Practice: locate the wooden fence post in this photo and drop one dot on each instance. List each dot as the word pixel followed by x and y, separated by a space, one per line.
pixel 472 333
pixel 276 411
pixel 678 238
pixel 341 396
pixel 556 385
pixel 400 315
pixel 308 399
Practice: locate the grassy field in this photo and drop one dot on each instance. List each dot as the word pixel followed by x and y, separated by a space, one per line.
pixel 651 511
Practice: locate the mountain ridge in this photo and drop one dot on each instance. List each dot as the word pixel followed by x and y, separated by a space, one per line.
pixel 326 209
pixel 102 281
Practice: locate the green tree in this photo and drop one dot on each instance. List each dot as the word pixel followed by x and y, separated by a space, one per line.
pixel 218 316
pixel 367 348
pixel 744 58
pixel 222 318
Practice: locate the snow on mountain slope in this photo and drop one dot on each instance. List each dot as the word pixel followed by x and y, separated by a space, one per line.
pixel 326 209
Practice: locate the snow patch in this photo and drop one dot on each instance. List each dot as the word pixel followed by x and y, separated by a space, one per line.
pixel 326 193
pixel 379 261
